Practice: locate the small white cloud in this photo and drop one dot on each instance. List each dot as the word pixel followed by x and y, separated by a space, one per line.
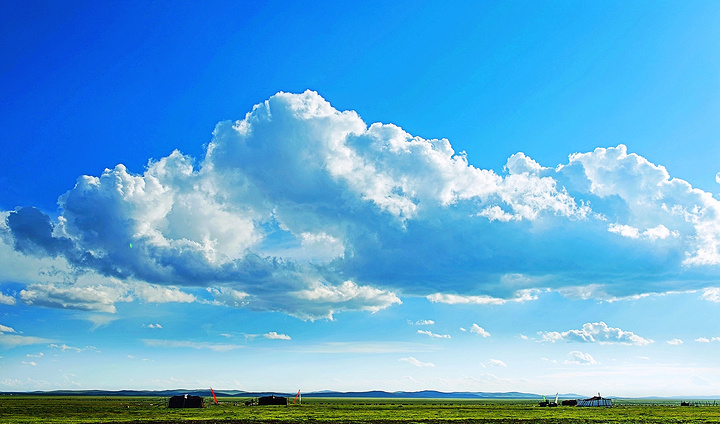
pixel 7 300
pixel 162 294
pixel 228 297
pixel 717 178
pixel 479 330
pixel 412 361
pixel 6 329
pixel 660 232
pixel 424 322
pixel 497 363
pixel 675 342
pixel 597 332
pixel 154 326
pixel 455 299
pixel 30 363
pixel 496 213
pixel 519 163
pixel 39 355
pixel 579 358
pixel 94 297
pixel 347 296
pixel 702 340
pixel 276 336
pixel 434 335
pixel 711 294
pixel 64 347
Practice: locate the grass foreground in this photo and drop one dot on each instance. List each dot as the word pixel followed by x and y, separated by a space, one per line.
pixel 151 410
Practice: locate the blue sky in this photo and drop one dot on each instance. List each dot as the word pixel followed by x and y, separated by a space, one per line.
pixel 497 196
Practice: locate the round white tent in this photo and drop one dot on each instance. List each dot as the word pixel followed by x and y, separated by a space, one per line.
pixel 595 401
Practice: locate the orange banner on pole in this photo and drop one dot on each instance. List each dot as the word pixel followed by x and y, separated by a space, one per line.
pixel 213 393
pixel 296 396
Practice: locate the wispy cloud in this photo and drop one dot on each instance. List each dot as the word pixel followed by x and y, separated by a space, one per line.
pixel 367 347
pixel 65 348
pixel 434 335
pixel 412 361
pixel 476 329
pixel 580 358
pixel 600 292
pixel 675 342
pixel 178 344
pixel 707 340
pixel 10 338
pixel 98 320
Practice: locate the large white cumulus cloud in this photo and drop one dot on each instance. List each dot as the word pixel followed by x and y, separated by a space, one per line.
pixel 305 209
pixel 654 205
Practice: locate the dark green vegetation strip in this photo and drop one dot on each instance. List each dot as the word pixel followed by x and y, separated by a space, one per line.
pixel 147 410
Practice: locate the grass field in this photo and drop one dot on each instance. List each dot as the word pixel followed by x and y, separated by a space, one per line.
pixel 81 409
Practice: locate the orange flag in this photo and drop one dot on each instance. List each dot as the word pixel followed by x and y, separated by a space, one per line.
pixel 213 393
pixel 296 396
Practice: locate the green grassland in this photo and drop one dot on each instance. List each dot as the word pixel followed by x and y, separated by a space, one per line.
pixel 86 409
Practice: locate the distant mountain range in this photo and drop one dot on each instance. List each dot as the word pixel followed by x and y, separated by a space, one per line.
pixel 376 394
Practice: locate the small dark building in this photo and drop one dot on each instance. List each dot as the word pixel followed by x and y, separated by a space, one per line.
pixel 569 402
pixel 186 401
pixel 272 400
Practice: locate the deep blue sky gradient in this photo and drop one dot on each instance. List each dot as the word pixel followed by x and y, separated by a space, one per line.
pixel 88 85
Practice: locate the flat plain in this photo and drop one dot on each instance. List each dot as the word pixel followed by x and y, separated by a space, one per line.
pixel 152 410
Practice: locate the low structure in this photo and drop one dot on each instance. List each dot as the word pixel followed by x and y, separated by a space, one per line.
pixel 595 401
pixel 186 401
pixel 272 400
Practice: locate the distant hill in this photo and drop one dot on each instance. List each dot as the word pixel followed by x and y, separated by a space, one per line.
pixel 378 394
pixel 425 394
